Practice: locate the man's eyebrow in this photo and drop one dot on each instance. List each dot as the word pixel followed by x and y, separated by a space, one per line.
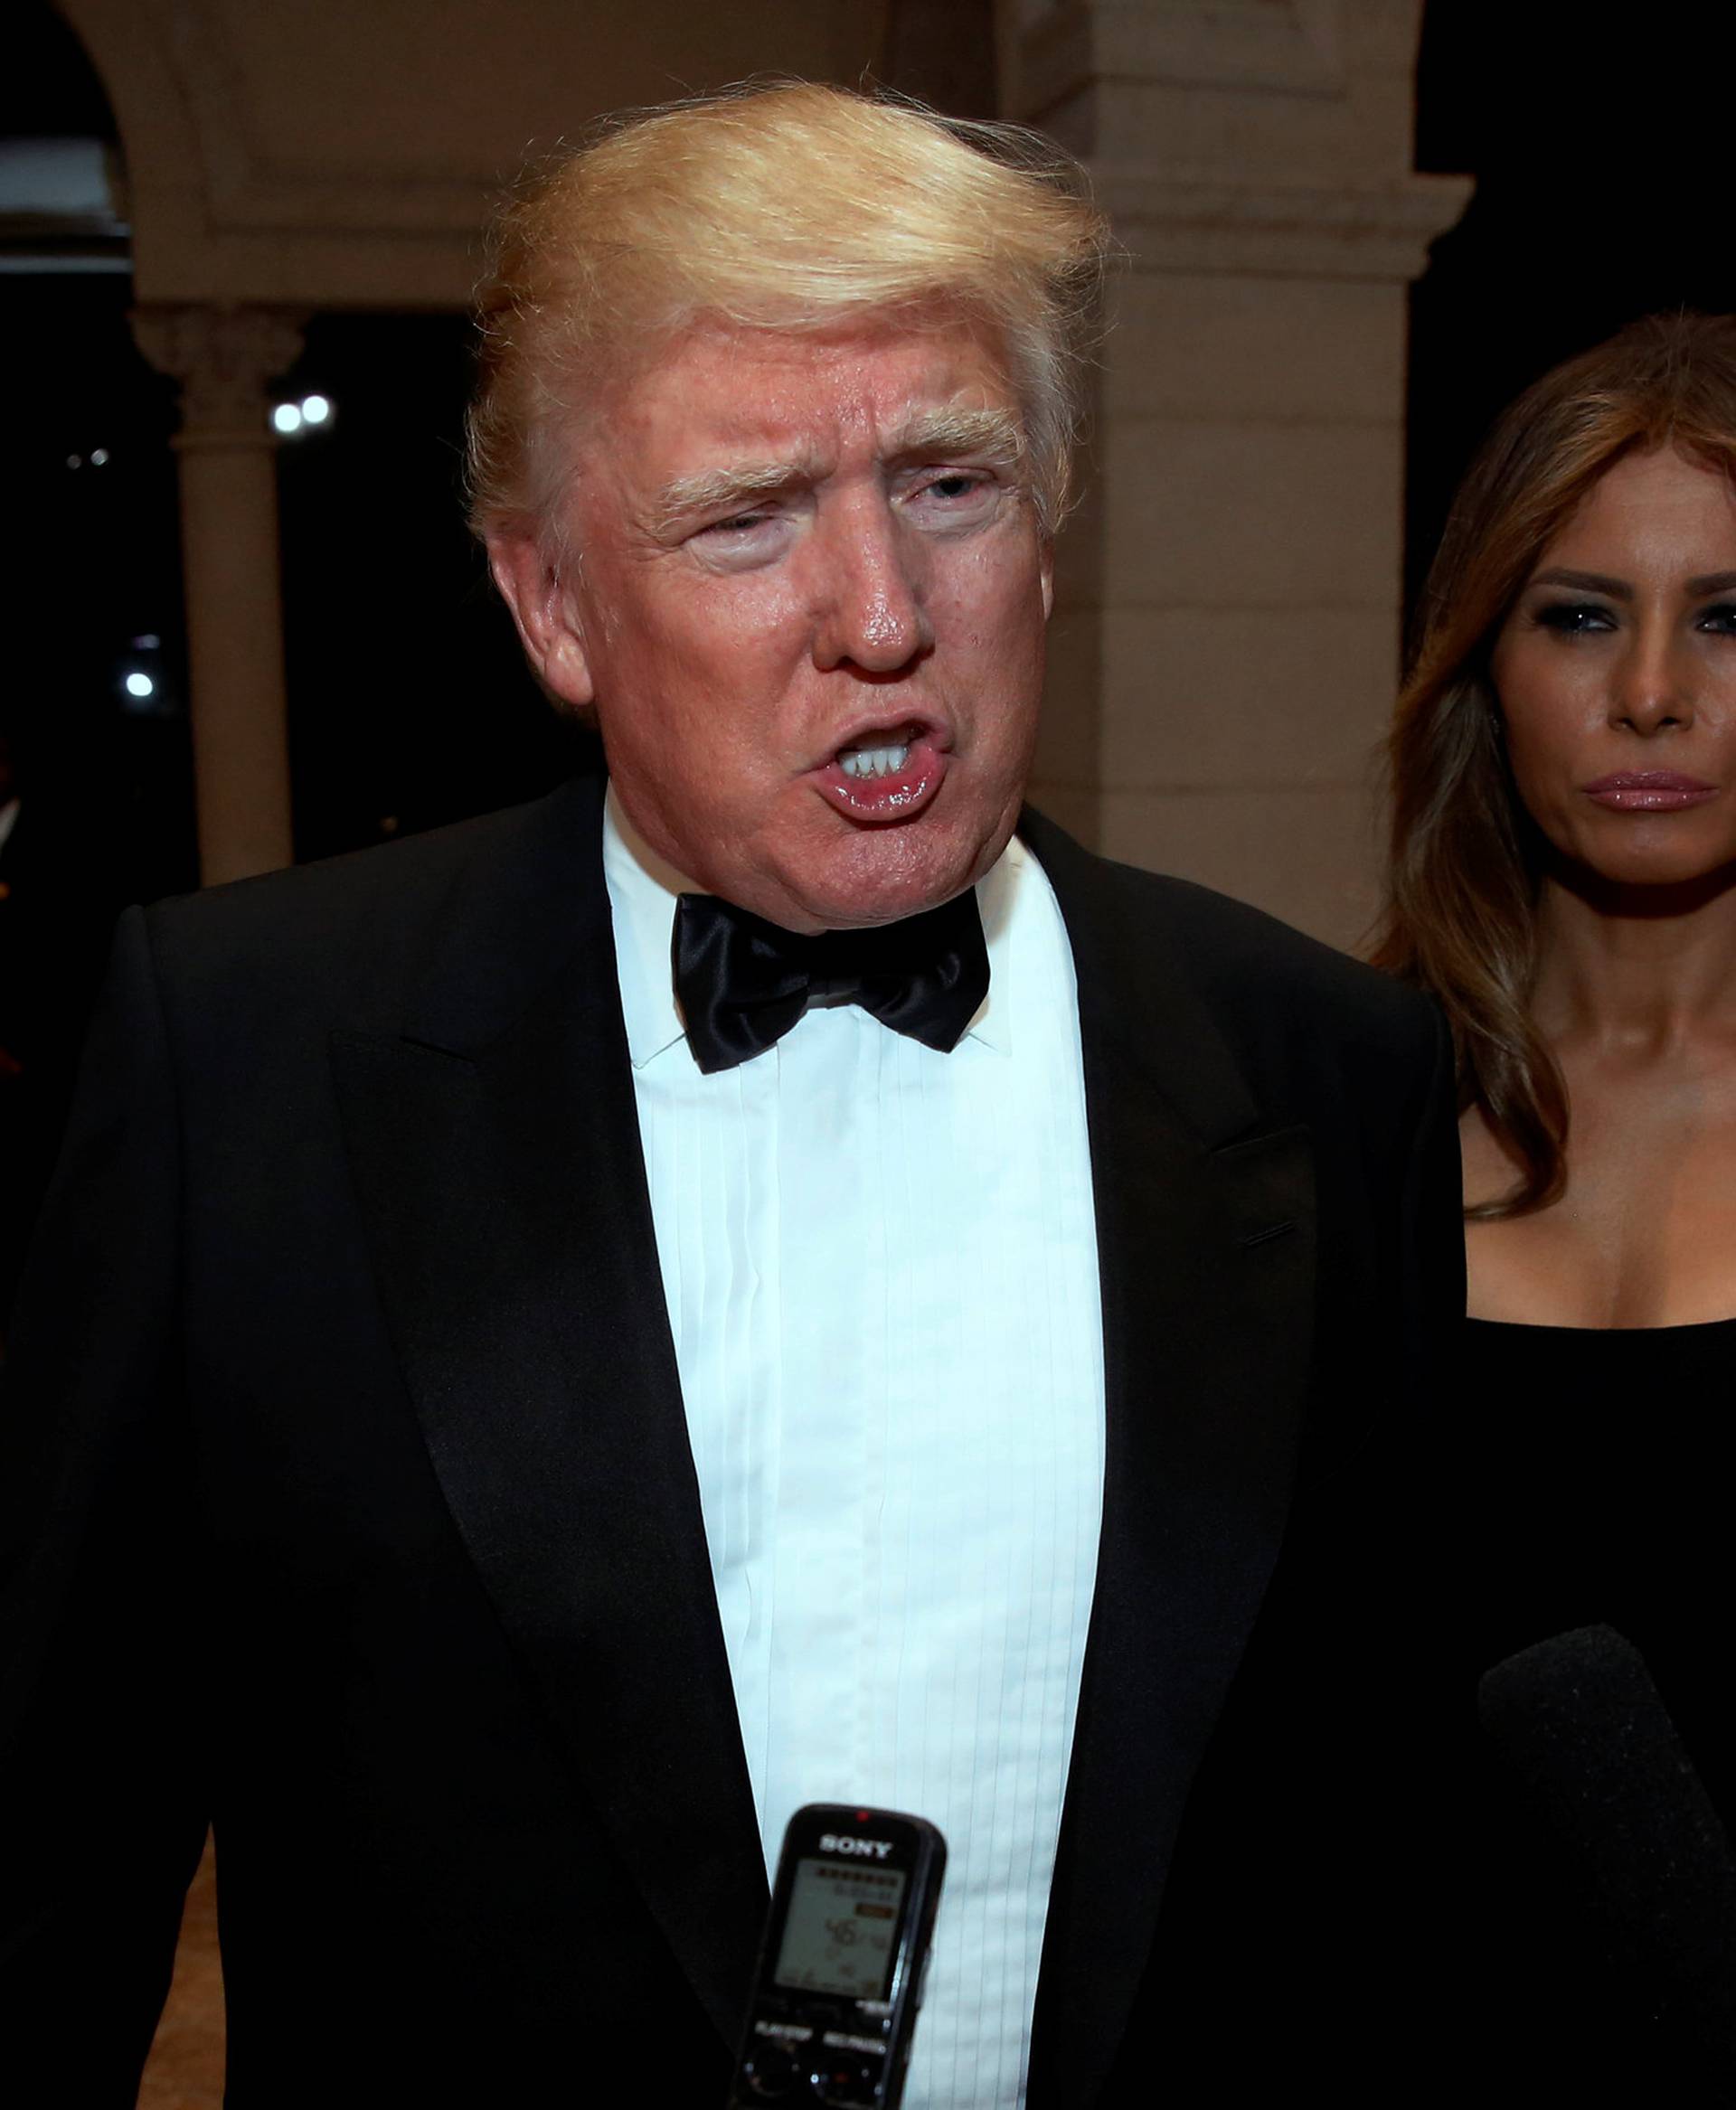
pixel 1617 590
pixel 994 435
pixel 986 435
pixel 737 484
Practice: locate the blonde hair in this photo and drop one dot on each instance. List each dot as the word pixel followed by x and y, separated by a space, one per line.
pixel 794 207
pixel 1464 862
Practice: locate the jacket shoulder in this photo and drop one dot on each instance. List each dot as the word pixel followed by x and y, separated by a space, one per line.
pixel 1239 954
pixel 1312 1029
pixel 362 924
pixel 1252 971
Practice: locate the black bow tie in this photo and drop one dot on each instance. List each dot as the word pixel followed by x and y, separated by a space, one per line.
pixel 742 983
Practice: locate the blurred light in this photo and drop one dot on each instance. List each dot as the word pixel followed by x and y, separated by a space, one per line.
pixel 75 461
pixel 99 455
pixel 150 642
pixel 140 686
pixel 316 410
pixel 287 417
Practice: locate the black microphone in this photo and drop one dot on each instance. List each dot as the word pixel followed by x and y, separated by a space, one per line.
pixel 1579 1722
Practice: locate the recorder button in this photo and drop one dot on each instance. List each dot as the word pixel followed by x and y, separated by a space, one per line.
pixel 771 2073
pixel 848 2084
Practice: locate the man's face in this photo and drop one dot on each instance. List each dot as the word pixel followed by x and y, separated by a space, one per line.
pixel 808 598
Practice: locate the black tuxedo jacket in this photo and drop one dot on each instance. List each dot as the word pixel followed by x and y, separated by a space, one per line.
pixel 58 899
pixel 349 1506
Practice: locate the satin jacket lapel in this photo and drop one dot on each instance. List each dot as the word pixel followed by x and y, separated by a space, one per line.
pixel 496 1151
pixel 1206 1258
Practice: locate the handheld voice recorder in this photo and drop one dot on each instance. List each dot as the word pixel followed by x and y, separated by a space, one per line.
pixel 842 1966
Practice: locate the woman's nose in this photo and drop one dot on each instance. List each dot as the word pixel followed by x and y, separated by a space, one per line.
pixel 1655 685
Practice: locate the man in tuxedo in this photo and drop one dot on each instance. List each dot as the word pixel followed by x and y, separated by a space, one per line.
pixel 773 1276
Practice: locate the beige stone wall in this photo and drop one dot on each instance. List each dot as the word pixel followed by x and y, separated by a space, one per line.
pixel 1240 573
pixel 1228 634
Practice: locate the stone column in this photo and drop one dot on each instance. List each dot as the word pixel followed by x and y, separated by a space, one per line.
pixel 223 358
pixel 1227 638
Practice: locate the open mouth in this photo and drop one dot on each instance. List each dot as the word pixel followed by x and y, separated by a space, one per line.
pixel 885 773
pixel 885 759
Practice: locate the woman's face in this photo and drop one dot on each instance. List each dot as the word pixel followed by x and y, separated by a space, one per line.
pixel 1616 674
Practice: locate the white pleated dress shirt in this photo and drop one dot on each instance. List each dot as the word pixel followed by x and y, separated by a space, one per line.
pixel 881 1267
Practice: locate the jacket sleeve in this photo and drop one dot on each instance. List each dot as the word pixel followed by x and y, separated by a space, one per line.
pixel 1384 1555
pixel 1433 1286
pixel 102 1750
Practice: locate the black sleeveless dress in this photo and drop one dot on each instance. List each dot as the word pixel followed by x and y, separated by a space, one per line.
pixel 1600 1489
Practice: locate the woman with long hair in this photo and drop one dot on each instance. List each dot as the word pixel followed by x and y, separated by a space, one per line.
pixel 1563 879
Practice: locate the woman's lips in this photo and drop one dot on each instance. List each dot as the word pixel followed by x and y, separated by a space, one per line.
pixel 868 792
pixel 1650 791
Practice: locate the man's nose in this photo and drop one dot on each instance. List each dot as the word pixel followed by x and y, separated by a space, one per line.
pixel 869 591
pixel 1655 682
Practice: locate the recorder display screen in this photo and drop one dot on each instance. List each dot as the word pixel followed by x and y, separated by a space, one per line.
pixel 840 1929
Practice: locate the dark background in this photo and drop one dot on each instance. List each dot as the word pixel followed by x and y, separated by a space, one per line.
pixel 408 704
pixel 1602 139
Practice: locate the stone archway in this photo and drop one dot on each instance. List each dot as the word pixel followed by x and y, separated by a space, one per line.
pixel 333 157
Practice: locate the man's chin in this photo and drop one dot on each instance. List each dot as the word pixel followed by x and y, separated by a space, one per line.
pixel 878 879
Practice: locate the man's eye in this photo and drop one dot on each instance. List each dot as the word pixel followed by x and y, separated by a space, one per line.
pixel 1720 618
pixel 738 523
pixel 1571 618
pixel 956 494
pixel 741 538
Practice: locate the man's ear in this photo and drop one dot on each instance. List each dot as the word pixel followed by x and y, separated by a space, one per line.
pixel 531 587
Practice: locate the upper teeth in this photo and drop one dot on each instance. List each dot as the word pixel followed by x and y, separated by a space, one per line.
pixel 874 762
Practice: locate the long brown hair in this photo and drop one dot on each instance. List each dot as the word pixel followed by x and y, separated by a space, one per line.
pixel 1464 867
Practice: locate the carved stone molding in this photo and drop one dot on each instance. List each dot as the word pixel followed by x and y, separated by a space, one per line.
pixel 1214 228
pixel 333 155
pixel 1258 138
pixel 224 359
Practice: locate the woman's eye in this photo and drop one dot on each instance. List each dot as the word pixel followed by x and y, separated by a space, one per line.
pixel 1571 618
pixel 1721 619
